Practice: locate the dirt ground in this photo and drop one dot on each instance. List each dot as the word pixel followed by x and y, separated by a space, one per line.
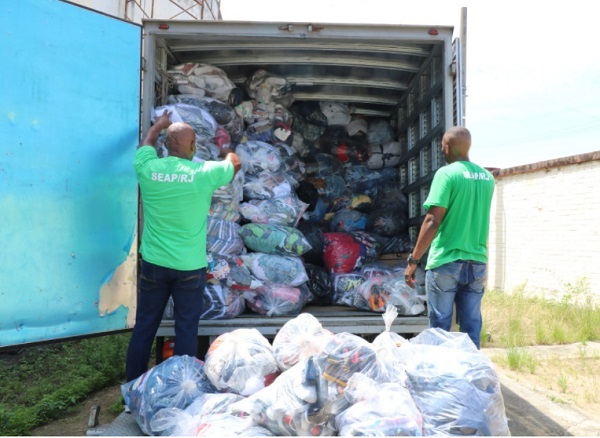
pixel 568 375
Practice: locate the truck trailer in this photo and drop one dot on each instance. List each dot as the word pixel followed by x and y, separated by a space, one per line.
pixel 78 91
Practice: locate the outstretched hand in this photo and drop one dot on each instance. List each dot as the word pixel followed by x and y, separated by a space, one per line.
pixel 164 121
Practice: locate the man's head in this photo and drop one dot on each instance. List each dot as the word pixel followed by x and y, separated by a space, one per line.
pixel 181 140
pixel 456 144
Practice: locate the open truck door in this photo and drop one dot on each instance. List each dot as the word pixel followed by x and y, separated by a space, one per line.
pixel 69 127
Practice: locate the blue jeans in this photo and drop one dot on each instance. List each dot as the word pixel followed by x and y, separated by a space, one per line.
pixel 156 284
pixel 459 282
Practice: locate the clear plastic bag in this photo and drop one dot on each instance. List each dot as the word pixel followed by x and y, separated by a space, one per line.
pixel 201 80
pixel 241 361
pixel 459 395
pixel 274 239
pixel 337 113
pixel 174 383
pixel 380 131
pixel 258 157
pixel 277 299
pixel 285 210
pixel 222 302
pixel 223 238
pixel 347 220
pixel 299 339
pixel 378 409
pixel 272 268
pixel 266 87
pixel 267 186
pixel 377 292
pixel 384 155
pixel 225 203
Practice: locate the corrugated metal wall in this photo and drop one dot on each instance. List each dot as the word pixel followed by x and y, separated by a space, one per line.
pixel 544 228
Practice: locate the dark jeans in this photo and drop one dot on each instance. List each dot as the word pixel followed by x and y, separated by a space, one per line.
pixel 156 284
pixel 459 283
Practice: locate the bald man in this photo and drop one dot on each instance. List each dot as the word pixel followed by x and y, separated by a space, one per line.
pixel 456 226
pixel 176 196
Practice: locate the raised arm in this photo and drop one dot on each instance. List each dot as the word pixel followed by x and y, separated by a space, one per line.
pixel 161 123
pixel 229 155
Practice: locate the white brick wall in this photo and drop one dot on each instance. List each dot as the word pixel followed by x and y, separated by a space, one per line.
pixel 545 228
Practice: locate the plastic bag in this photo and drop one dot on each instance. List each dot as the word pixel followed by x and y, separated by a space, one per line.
pixel 370 245
pixel 337 113
pixel 298 339
pixel 314 235
pixel 201 121
pixel 344 287
pixel 285 210
pixel 174 383
pixel 223 113
pixel 386 222
pixel 274 239
pixel 459 395
pixel 258 157
pixel 357 126
pixel 385 409
pixel 319 283
pixel 201 80
pixel 397 244
pixel 277 269
pixel 267 87
pixel 225 202
pixel 241 361
pixel 277 299
pixel 438 336
pixel 188 421
pixel 239 275
pixel 322 165
pixel 223 238
pixel 376 293
pixel 266 186
pixel 384 155
pixel 380 131
pixel 376 269
pixel 391 198
pixel 299 403
pixel 387 345
pixel 341 254
pixel 358 202
pixel 348 220
pixel 221 302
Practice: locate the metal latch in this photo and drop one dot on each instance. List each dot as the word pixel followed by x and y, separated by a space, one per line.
pixel 287 27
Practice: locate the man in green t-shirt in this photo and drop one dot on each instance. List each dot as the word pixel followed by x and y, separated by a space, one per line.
pixel 176 196
pixel 456 226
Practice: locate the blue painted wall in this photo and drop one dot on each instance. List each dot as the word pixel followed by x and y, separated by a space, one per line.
pixel 69 127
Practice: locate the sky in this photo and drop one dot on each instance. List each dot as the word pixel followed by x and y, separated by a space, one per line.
pixel 533 69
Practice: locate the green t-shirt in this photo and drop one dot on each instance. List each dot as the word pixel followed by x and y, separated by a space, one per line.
pixel 176 197
pixel 465 190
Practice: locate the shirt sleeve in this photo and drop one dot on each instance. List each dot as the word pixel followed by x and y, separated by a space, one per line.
pixel 439 193
pixel 143 156
pixel 219 173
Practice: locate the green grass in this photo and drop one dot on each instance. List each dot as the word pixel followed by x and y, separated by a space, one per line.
pixel 43 383
pixel 518 319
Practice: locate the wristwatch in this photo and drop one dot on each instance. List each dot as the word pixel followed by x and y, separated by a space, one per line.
pixel 412 260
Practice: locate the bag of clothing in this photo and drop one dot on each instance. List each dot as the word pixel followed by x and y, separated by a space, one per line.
pixel 277 299
pixel 347 220
pixel 174 383
pixel 278 269
pixel 285 210
pixel 241 361
pixel 266 87
pixel 201 80
pixel 376 293
pixel 223 238
pixel 274 239
pixel 221 302
pixel 266 186
pixel 384 155
pixel 378 409
pixel 341 254
pixel 319 283
pixel 298 339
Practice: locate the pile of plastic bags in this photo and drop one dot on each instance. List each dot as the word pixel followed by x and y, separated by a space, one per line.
pixel 311 382
pixel 316 204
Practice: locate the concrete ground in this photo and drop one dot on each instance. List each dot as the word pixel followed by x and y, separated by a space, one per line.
pixel 532 413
